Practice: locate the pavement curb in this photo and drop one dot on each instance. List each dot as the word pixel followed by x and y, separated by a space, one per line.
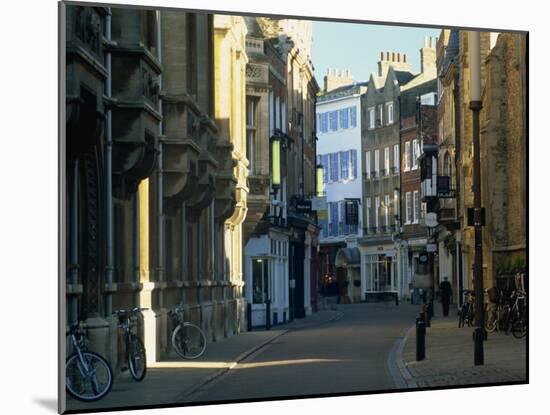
pixel 221 372
pixel 208 379
pixel 405 374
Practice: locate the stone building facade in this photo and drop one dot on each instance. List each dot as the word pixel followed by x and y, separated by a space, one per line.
pixel 156 171
pixel 380 148
pixel 280 243
pixel 267 240
pixel 301 163
pixel 392 143
pixel 503 156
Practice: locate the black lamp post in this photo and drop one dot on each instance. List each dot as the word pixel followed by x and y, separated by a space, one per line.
pixel 475 106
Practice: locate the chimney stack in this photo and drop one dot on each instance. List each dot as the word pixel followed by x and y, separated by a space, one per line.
pixel 428 57
pixel 336 78
pixel 393 59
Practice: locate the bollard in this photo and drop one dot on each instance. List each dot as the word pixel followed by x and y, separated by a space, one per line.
pixel 396 299
pixel 268 315
pixel 478 346
pixel 249 316
pixel 424 316
pixel 428 315
pixel 420 339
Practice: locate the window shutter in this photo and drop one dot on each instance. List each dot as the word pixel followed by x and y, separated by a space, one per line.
pixel 353 156
pixel 325 168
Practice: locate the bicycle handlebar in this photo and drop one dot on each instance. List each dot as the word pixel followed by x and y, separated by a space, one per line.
pixel 76 327
pixel 133 310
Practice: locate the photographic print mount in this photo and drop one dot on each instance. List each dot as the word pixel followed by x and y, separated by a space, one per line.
pixel 190 141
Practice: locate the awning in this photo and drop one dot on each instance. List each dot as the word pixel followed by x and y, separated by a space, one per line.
pixel 348 258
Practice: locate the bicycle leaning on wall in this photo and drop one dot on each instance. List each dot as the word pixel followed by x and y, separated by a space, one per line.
pixel 88 376
pixel 135 350
pixel 188 340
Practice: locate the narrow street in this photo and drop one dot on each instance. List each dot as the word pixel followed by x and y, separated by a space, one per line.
pixel 350 354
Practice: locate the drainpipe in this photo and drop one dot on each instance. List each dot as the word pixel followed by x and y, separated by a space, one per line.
pixel 136 259
pixel 109 266
pixel 457 164
pixel 402 268
pixel 183 245
pixel 160 189
pixel 73 232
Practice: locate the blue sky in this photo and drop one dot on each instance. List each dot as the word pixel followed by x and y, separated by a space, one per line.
pixel 357 47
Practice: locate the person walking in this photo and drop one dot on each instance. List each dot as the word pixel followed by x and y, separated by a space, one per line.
pixel 445 292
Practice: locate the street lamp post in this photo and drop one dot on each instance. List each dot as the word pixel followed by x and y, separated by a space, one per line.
pixel 475 106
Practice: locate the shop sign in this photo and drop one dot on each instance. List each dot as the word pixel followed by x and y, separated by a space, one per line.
pixel 431 247
pixel 303 206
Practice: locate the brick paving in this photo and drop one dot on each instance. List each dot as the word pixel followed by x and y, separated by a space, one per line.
pixel 450 360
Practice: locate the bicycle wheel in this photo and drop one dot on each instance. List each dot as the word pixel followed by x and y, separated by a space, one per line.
pixel 461 316
pixel 505 320
pixel 90 379
pixel 470 316
pixel 137 363
pixel 188 341
pixel 491 319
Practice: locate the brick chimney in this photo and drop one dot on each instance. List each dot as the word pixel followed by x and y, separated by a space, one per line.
pixel 337 78
pixel 428 56
pixel 397 60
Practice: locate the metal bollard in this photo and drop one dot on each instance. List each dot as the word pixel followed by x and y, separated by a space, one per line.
pixel 268 315
pixel 428 315
pixel 396 299
pixel 424 316
pixel 420 339
pixel 479 334
pixel 249 317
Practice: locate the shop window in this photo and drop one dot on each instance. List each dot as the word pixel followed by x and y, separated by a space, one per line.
pixel 260 281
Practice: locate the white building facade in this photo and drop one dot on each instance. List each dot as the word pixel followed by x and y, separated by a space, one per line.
pixel 339 152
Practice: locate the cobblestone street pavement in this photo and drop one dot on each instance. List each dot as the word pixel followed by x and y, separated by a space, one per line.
pixel 450 360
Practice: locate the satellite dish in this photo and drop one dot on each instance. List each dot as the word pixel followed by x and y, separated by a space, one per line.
pixel 431 220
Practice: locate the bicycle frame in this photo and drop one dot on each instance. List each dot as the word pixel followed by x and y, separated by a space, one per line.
pixel 77 340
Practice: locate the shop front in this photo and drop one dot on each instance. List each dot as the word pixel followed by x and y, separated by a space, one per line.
pixel 267 277
pixel 380 274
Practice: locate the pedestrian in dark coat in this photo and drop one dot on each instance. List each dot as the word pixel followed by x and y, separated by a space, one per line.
pixel 445 292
